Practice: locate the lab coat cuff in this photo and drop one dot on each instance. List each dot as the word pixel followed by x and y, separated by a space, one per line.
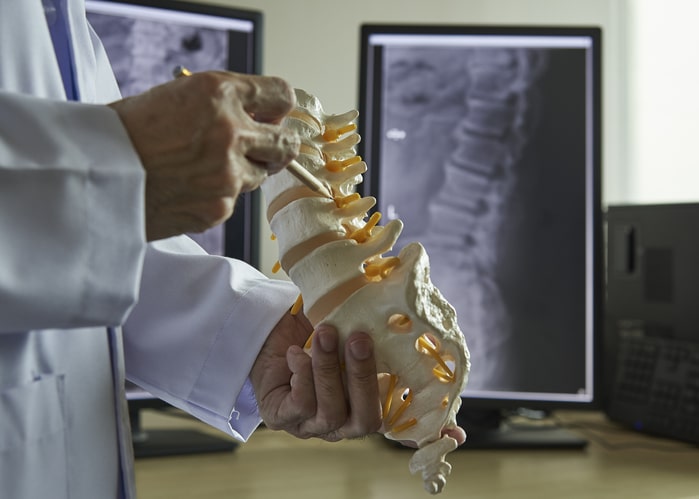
pixel 245 417
pixel 233 353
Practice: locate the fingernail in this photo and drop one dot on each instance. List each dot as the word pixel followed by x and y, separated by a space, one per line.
pixel 361 349
pixel 328 340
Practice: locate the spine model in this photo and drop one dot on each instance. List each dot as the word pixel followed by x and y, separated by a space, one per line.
pixel 333 252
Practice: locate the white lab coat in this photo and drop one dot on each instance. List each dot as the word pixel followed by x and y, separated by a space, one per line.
pixel 73 261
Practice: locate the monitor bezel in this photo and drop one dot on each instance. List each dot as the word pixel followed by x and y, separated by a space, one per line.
pixel 368 150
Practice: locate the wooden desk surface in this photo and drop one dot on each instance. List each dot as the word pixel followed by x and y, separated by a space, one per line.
pixel 616 464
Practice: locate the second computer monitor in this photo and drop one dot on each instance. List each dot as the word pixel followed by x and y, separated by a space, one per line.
pixel 485 142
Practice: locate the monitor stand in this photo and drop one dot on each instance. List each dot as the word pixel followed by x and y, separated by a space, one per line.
pixel 173 442
pixel 488 429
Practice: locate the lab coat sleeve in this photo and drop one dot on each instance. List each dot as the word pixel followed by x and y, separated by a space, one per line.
pixel 196 331
pixel 71 215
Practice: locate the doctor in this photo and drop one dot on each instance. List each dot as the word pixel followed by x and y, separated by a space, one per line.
pixel 86 179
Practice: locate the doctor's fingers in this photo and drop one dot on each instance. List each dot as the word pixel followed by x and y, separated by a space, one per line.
pixel 225 167
pixel 347 396
pixel 297 411
pixel 331 404
pixel 267 99
pixel 362 387
pixel 269 147
pixel 363 407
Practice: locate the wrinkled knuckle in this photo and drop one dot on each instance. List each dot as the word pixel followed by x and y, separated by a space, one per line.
pixel 303 410
pixel 285 146
pixel 209 83
pixel 289 142
pixel 306 413
pixel 329 424
pixel 285 91
pixel 362 374
pixel 326 369
pixel 331 437
pixel 325 382
pixel 225 133
pixel 246 89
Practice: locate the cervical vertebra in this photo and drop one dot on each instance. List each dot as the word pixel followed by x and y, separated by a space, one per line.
pixel 334 256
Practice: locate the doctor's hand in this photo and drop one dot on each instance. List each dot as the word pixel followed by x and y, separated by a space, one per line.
pixel 202 141
pixel 308 396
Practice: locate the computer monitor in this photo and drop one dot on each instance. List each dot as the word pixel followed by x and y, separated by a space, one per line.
pixel 486 142
pixel 145 41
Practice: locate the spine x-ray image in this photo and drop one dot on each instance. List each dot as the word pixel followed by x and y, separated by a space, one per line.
pixel 143 53
pixel 483 158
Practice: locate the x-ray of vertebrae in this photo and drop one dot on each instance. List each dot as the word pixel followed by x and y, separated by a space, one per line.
pixel 484 186
pixel 143 53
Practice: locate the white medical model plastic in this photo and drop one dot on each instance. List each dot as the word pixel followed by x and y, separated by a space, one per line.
pixel 334 256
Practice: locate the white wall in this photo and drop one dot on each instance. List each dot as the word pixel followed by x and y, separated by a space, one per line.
pixel 663 106
pixel 315 43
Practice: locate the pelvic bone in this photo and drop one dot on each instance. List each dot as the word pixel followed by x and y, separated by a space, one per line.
pixel 335 256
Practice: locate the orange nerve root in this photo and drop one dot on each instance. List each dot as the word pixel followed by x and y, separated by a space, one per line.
pixel 336 166
pixel 361 235
pixel 331 135
pixel 442 371
pixel 298 304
